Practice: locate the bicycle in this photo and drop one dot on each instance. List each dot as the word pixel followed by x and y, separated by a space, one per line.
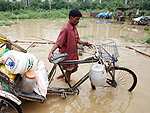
pixel 106 54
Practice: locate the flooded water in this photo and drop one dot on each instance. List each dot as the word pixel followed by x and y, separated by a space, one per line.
pixel 101 100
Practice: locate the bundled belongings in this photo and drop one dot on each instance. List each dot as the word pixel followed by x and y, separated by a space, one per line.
pixel 19 62
pixel 33 72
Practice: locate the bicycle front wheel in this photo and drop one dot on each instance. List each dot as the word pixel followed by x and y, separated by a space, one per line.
pixel 125 78
pixel 8 106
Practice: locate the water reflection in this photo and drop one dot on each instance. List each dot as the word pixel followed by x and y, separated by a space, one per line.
pixel 94 30
pixel 100 100
pixel 103 99
pixel 106 28
pixel 103 22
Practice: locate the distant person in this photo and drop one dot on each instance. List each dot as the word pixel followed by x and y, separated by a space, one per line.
pixel 67 42
pixel 142 14
pixel 137 12
pixel 108 12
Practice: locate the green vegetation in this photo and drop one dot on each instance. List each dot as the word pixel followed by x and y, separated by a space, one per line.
pixel 127 38
pixel 147 28
pixel 148 40
pixel 148 36
pixel 59 8
pixel 39 9
pixel 87 37
pixel 87 5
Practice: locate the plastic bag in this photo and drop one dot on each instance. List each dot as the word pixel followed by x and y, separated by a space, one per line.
pixel 41 79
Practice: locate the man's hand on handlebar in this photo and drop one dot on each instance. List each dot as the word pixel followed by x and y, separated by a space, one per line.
pixel 50 56
pixel 88 45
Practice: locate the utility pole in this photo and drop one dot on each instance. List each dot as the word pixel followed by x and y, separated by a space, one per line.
pixel 142 1
pixel 126 1
pixel 50 5
pixel 100 1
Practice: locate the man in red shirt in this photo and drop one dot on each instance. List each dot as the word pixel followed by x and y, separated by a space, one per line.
pixel 67 42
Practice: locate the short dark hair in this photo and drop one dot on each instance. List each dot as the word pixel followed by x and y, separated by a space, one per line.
pixel 75 13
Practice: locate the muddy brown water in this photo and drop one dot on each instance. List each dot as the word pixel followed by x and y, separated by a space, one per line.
pixel 101 100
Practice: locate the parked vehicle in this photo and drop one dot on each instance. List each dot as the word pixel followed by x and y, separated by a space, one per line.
pixel 121 16
pixel 104 15
pixel 94 14
pixel 140 21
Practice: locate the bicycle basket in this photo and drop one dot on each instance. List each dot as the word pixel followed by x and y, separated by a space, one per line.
pixel 108 51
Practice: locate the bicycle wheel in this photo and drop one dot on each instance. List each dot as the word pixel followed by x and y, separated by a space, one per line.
pixel 8 106
pixel 125 78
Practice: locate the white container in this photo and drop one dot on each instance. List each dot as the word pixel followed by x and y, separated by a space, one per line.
pixel 98 75
pixel 19 62
pixel 28 82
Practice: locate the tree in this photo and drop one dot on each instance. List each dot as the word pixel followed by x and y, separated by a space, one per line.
pixel 3 5
pixel 85 5
pixel 18 5
pixel 146 5
pixel 95 5
pixel 46 4
pixel 58 4
pixel 36 4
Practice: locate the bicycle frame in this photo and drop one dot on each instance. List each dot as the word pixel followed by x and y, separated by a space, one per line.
pixel 112 81
pixel 71 89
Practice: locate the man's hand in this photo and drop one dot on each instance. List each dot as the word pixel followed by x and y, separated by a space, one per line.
pixel 51 52
pixel 87 44
pixel 50 56
pixel 90 45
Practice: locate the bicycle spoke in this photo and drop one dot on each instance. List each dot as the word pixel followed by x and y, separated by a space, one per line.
pixel 125 78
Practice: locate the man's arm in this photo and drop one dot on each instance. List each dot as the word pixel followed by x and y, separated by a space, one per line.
pixel 86 43
pixel 82 42
pixel 52 50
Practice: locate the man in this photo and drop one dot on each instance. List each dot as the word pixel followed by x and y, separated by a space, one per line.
pixel 67 42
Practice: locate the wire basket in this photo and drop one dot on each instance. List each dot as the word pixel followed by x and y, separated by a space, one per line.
pixel 109 51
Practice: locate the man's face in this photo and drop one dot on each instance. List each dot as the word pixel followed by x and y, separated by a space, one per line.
pixel 74 20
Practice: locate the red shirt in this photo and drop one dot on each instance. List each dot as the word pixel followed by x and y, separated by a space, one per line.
pixel 67 40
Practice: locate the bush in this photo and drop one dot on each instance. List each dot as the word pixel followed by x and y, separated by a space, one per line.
pixel 2 16
pixel 13 16
pixel 148 40
pixel 147 28
pixel 23 16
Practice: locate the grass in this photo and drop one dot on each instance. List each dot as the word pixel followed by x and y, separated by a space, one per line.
pixel 126 38
pixel 148 40
pixel 116 26
pixel 148 35
pixel 147 28
pixel 144 40
pixel 86 37
pixel 30 14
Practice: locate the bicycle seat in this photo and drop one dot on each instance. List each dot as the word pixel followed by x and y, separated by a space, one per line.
pixel 58 57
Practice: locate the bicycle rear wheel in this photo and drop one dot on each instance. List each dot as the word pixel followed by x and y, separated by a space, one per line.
pixel 125 78
pixel 8 106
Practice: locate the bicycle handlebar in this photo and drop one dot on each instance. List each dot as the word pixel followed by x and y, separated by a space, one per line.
pixel 97 55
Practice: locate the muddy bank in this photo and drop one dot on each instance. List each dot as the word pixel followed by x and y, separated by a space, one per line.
pixel 101 100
